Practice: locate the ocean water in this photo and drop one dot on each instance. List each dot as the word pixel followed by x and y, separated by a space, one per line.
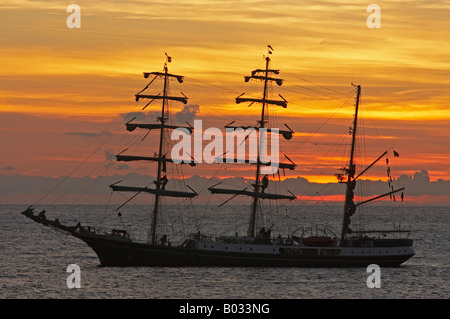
pixel 34 261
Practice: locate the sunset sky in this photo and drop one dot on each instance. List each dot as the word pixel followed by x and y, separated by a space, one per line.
pixel 65 94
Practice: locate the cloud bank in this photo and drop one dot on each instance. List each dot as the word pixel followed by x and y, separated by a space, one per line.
pixel 20 189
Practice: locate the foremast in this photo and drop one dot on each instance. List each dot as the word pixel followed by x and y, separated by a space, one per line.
pixel 258 187
pixel 161 159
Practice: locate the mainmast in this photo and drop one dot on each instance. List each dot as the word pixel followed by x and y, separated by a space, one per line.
pixel 158 181
pixel 258 189
pixel 258 161
pixel 161 159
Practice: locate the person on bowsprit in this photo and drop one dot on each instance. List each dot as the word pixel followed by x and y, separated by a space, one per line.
pixel 265 183
pixel 164 180
pixel 42 215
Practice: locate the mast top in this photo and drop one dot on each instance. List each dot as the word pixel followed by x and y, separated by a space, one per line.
pixel 269 51
pixel 168 60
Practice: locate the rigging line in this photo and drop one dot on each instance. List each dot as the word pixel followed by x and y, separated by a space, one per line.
pixel 128 200
pixel 66 177
pixel 324 87
pixel 318 128
pixel 329 208
pixel 88 175
pixel 134 139
pixel 226 116
pixel 232 207
pixel 378 133
pixel 328 97
pixel 209 180
pixel 321 125
pixel 134 204
pixel 229 199
pixel 336 149
pixel 313 90
pixel 86 189
pixel 154 78
pixel 280 206
pixel 329 118
pixel 330 188
pixel 319 85
pixel 106 208
pixel 52 187
pixel 233 176
pixel 203 214
pixel 234 91
pixel 326 153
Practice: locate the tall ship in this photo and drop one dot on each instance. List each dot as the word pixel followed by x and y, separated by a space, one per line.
pixel 258 248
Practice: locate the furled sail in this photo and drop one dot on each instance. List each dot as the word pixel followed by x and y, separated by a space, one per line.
pixel 166 97
pixel 130 158
pixel 286 134
pixel 160 192
pixel 261 195
pixel 290 166
pixel 132 126
pixel 265 101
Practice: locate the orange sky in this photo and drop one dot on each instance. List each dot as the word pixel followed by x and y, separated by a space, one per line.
pixel 64 92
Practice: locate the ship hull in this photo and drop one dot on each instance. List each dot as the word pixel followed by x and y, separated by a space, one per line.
pixel 117 253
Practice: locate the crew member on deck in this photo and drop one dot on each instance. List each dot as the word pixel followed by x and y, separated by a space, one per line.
pixel 163 240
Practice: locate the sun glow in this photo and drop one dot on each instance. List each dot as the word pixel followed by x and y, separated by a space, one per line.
pixel 84 80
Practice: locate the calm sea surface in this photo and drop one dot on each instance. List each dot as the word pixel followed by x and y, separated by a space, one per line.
pixel 34 261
